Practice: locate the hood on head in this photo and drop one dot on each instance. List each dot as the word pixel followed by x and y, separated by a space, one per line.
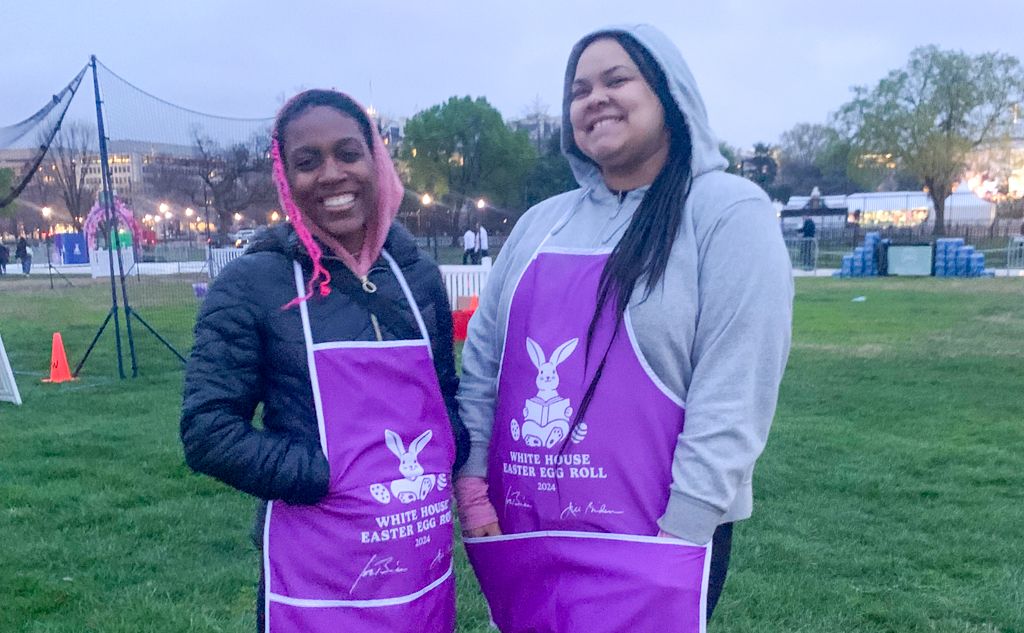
pixel 389 197
pixel 706 156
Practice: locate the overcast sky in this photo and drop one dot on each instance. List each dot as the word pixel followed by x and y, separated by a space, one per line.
pixel 762 65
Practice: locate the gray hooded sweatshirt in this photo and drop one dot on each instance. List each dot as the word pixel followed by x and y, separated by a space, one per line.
pixel 715 330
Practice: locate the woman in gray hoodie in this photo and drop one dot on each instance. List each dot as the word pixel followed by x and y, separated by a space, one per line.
pixel 622 371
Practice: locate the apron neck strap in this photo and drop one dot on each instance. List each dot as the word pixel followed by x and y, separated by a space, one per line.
pixel 396 270
pixel 411 299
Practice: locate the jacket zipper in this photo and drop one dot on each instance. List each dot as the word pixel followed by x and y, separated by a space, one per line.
pixel 369 287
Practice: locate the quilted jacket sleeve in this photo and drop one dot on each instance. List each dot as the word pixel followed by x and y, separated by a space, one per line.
pixel 444 363
pixel 222 389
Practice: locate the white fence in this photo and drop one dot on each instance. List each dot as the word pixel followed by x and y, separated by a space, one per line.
pixel 1015 253
pixel 465 281
pixel 461 281
pixel 803 252
pixel 219 258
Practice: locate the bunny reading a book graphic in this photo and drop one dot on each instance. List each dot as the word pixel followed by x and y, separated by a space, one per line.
pixel 414 484
pixel 546 416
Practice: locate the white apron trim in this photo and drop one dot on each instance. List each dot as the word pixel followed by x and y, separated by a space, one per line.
pixel 658 382
pixel 314 380
pixel 265 572
pixel 575 250
pixel 361 604
pixel 601 536
pixel 412 300
pixel 519 280
pixel 369 344
pixel 704 590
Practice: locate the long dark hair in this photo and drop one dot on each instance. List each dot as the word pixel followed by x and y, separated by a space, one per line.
pixel 645 247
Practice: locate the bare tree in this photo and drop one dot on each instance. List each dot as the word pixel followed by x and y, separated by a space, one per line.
pixel 235 177
pixel 72 152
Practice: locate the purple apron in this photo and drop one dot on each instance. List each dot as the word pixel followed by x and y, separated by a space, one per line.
pixel 578 505
pixel 376 553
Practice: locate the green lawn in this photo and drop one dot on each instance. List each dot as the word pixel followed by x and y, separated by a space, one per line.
pixel 890 498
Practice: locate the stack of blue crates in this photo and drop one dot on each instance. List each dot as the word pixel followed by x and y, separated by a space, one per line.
pixel 863 262
pixel 953 258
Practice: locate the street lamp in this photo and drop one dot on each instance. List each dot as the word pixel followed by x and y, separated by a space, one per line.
pixel 47 212
pixel 275 216
pixel 189 212
pixel 481 204
pixel 427 200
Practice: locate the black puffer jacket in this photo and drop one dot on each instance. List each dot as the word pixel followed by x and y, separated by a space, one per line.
pixel 249 351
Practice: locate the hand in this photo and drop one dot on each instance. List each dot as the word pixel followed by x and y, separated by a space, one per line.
pixel 491 529
pixel 476 514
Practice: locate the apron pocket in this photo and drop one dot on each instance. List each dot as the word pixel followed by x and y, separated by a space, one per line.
pixel 552 582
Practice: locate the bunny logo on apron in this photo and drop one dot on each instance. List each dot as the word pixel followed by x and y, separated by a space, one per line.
pixel 546 416
pixel 414 484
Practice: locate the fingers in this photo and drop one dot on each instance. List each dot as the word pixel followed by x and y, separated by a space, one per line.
pixel 491 529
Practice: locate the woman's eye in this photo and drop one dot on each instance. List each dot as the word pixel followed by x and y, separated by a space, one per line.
pixel 578 93
pixel 350 156
pixel 617 81
pixel 306 162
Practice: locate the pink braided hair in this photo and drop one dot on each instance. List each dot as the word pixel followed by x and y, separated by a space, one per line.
pixel 298 222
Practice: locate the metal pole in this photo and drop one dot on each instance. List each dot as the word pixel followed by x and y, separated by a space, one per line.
pixel 109 202
pixel 108 205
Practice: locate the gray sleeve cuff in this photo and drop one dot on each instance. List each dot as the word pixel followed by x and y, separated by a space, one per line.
pixel 476 465
pixel 690 519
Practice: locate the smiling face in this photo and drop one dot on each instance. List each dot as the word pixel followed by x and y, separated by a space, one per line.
pixel 617 120
pixel 331 174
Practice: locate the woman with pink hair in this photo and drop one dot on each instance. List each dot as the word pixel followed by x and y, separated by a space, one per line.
pixel 340 327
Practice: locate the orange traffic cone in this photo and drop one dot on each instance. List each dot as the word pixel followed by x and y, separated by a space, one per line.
pixel 59 371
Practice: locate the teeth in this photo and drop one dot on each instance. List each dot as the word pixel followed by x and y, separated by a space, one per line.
pixel 603 122
pixel 340 202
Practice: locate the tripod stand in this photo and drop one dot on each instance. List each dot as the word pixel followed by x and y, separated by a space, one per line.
pixel 50 267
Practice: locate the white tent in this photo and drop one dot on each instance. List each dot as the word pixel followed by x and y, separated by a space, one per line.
pixel 907 208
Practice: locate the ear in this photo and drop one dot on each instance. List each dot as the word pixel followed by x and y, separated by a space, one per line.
pixel 394 442
pixel 536 353
pixel 420 442
pixel 563 351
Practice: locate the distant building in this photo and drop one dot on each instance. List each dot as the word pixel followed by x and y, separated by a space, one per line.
pixel 16 160
pixel 539 127
pixel 392 129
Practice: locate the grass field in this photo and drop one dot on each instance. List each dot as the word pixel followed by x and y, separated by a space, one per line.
pixel 890 498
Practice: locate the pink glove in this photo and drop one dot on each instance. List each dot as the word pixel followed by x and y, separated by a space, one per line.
pixel 475 509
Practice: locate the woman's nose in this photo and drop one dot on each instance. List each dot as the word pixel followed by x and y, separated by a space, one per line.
pixel 332 171
pixel 597 98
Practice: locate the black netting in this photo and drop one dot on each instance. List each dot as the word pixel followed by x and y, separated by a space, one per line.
pixel 33 137
pixel 194 182
pixel 186 190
